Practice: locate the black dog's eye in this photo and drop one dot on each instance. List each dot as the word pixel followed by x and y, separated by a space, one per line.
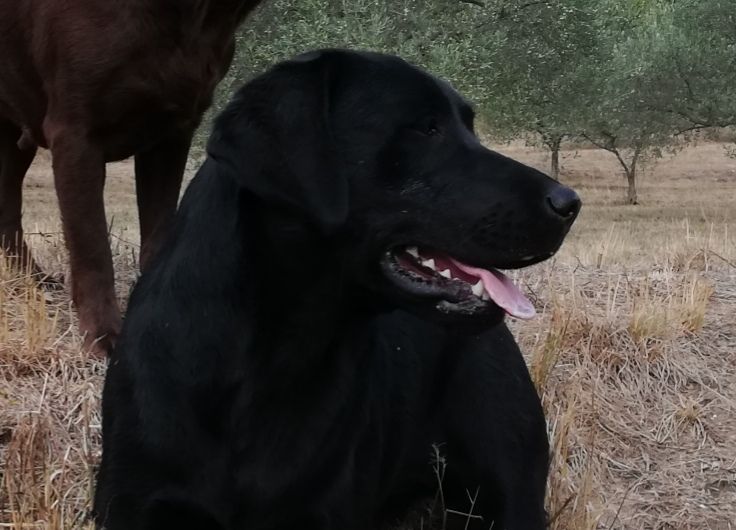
pixel 432 128
pixel 428 127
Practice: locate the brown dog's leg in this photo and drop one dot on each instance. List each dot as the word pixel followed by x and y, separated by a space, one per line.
pixel 158 176
pixel 79 174
pixel 14 164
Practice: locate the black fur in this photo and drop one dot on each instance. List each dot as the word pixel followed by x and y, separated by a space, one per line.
pixel 270 377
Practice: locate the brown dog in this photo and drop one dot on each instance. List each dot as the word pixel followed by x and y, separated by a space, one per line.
pixel 97 81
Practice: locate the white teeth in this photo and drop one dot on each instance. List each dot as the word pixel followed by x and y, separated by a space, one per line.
pixel 478 289
pixel 413 251
pixel 429 264
pixel 446 273
pixel 485 296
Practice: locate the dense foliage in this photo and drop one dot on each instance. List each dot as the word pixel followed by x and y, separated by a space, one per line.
pixel 630 76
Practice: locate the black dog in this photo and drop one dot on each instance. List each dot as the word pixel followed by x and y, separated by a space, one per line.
pixel 327 310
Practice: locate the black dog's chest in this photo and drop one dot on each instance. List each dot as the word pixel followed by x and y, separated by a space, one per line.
pixel 336 449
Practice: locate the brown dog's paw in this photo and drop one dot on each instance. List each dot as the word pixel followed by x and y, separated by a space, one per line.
pixel 100 348
pixel 100 334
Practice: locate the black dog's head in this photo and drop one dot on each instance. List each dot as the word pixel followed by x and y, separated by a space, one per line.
pixel 380 159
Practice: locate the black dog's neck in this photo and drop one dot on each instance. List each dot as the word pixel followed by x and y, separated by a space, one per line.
pixel 301 286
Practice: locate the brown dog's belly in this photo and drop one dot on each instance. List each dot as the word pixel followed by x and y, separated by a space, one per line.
pixel 131 112
pixel 136 124
pixel 120 137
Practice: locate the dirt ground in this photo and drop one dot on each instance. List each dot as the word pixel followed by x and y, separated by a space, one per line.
pixel 633 353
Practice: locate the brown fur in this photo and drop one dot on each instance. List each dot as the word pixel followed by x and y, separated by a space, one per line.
pixel 96 81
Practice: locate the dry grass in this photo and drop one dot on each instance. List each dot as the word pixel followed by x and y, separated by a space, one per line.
pixel 634 354
pixel 637 375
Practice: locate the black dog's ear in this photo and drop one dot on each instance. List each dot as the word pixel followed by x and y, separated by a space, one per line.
pixel 275 137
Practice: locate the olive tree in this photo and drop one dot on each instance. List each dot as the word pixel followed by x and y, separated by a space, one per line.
pixel 539 80
pixel 627 75
pixel 435 34
pixel 616 112
pixel 694 46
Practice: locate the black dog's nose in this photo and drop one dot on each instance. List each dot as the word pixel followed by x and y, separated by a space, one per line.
pixel 564 202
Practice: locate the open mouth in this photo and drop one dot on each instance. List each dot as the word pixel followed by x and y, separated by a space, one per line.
pixel 460 288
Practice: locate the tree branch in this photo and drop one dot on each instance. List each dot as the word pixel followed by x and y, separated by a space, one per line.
pixel 635 158
pixel 697 122
pixel 550 140
pixel 610 146
pixel 684 79
pixel 691 129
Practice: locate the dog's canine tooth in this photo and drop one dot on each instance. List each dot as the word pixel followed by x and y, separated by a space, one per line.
pixel 446 273
pixel 412 251
pixel 485 296
pixel 478 289
pixel 429 263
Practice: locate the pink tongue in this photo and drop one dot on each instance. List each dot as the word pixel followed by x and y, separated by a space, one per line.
pixel 501 290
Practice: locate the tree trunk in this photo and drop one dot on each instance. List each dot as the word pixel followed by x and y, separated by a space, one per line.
pixel 631 193
pixel 631 177
pixel 555 162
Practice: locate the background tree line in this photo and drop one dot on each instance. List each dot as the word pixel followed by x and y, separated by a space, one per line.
pixel 633 77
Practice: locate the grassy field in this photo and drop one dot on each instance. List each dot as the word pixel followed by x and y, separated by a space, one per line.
pixel 634 353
